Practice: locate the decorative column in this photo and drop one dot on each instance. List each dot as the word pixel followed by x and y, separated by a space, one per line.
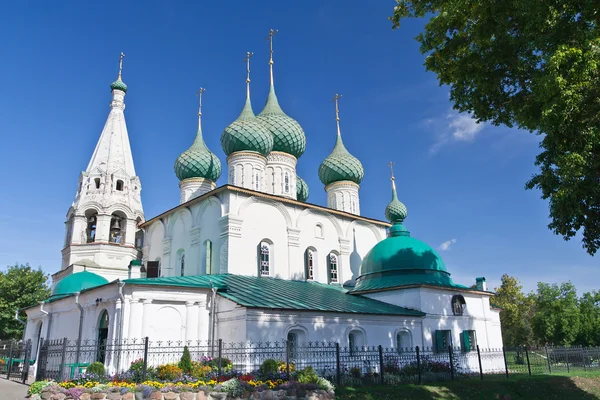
pixel 230 237
pixel 196 252
pixel 102 227
pixel 79 230
pixel 165 263
pixel 344 260
pixel 135 320
pixel 130 230
pixel 295 257
pixel 126 321
pixel 191 321
pixel 203 320
pixel 146 318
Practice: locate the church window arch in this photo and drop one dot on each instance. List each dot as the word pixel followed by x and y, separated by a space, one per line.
pixel 356 340
pixel 256 181
pixel 103 324
pixel 117 228
pixel 332 268
pixel 294 338
pixel 319 230
pixel 181 262
pixel 208 260
pixel 91 220
pixel 265 258
pixel 119 185
pixel 287 182
pixel 309 264
pixel 231 175
pixel 97 183
pixel 403 340
pixel 458 304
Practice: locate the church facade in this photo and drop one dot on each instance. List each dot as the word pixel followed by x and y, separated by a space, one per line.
pixel 251 260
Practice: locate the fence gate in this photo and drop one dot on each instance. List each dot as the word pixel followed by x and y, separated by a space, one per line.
pixel 15 359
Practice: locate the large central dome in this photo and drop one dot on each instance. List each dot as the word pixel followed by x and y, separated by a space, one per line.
pixel 77 282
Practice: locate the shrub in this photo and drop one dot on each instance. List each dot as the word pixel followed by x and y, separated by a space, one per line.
pixel 37 387
pixel 186 361
pixel 233 387
pixel 200 371
pixel 308 375
pixel 355 372
pixel 169 372
pixel 96 368
pixel 226 364
pixel 268 367
pixel 324 384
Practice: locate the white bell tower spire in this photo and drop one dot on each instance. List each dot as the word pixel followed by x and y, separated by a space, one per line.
pixel 101 225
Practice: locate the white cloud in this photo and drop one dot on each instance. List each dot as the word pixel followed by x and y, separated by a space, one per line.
pixel 446 245
pixel 455 127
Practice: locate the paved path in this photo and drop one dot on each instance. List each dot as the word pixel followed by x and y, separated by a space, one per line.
pixel 11 390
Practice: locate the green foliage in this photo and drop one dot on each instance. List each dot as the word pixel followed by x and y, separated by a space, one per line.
pixel 21 286
pixel 589 319
pixel 186 361
pixel 233 387
pixel 308 375
pixel 556 318
pixel 535 66
pixel 38 386
pixel 268 367
pixel 226 364
pixel 516 312
pixel 96 368
pixel 168 372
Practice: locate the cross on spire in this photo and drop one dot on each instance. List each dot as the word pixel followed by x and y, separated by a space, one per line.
pixel 391 165
pixel 335 100
pixel 247 61
pixel 199 94
pixel 121 64
pixel 272 33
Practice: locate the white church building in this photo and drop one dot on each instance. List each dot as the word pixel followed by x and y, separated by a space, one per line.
pixel 251 260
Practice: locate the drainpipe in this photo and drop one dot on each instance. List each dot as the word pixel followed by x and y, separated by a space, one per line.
pixel 22 322
pixel 80 327
pixel 212 317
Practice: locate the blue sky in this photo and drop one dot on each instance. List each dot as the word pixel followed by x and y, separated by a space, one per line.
pixel 463 183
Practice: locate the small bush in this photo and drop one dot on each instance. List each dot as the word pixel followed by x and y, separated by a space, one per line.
pixel 233 387
pixel 200 371
pixel 324 384
pixel 169 372
pixel 268 367
pixel 96 368
pixel 37 387
pixel 308 375
pixel 226 364
pixel 355 372
pixel 186 361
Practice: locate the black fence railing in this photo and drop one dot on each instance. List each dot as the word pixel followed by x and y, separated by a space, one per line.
pixel 15 360
pixel 66 359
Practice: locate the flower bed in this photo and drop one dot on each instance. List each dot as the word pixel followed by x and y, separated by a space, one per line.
pixel 189 380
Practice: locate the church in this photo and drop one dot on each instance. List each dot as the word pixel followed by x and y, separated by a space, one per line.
pixel 251 260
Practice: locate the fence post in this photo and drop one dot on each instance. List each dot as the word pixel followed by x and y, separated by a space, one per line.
pixel 585 358
pixel 338 375
pixel 479 358
pixel 39 358
pixel 288 350
pixel 220 355
pixel 548 359
pixel 505 363
pixel 567 356
pixel 527 356
pixel 9 362
pixel 26 358
pixel 451 362
pixel 145 367
pixel 62 360
pixel 381 364
pixel 418 364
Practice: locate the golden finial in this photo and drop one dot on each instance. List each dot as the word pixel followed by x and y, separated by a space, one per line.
pixel 272 33
pixel 335 100
pixel 391 165
pixel 121 64
pixel 247 61
pixel 199 94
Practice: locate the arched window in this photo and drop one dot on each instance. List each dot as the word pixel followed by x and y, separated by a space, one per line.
pixel 458 304
pixel 287 183
pixel 182 264
pixel 319 230
pixel 90 231
pixel 208 259
pixel 403 341
pixel 117 229
pixel 231 175
pixel 256 182
pixel 102 336
pixel 265 259
pixel 333 267
pixel 295 338
pixel 119 185
pixel 97 183
pixel 309 268
pixel 353 205
pixel 356 340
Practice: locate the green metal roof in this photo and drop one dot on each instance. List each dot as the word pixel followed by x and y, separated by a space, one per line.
pixel 198 161
pixel 340 165
pixel 247 133
pixel 76 283
pixel 280 294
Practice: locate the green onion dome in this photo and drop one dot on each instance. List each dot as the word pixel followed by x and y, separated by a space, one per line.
pixel 75 283
pixel 301 189
pixel 247 133
pixel 118 85
pixel 288 135
pixel 198 161
pixel 340 165
pixel 396 211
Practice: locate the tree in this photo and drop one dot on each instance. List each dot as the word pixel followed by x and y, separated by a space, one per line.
pixel 516 312
pixel 589 317
pixel 556 320
pixel 20 286
pixel 536 66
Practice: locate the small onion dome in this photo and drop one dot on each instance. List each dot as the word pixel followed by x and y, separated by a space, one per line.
pixel 75 283
pixel 118 85
pixel 340 165
pixel 288 135
pixel 198 162
pixel 301 189
pixel 247 133
pixel 396 211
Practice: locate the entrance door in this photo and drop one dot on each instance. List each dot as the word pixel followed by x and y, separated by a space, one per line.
pixel 102 336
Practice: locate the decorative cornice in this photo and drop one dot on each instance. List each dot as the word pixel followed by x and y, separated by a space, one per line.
pixel 231 225
pixel 239 154
pixel 341 184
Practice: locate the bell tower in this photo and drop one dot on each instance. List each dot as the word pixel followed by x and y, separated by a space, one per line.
pixel 102 223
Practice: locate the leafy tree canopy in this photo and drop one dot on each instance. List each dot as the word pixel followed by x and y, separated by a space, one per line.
pixel 557 319
pixel 534 65
pixel 20 286
pixel 516 312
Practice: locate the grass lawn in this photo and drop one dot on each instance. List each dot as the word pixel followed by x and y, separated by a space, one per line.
pixel 585 386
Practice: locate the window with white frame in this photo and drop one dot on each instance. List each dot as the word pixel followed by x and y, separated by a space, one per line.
pixel 356 339
pixel 182 264
pixel 287 183
pixel 319 230
pixel 265 259
pixel 309 272
pixel 256 182
pixel 208 257
pixel 333 268
pixel 403 341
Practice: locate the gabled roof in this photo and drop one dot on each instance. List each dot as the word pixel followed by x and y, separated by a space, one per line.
pixel 281 294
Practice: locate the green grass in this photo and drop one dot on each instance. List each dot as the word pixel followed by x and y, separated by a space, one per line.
pixel 585 386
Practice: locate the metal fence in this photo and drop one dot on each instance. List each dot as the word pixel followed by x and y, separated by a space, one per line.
pixel 15 360
pixel 66 359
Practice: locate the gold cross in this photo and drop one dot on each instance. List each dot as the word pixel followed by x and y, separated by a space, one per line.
pixel 121 63
pixel 391 165
pixel 335 100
